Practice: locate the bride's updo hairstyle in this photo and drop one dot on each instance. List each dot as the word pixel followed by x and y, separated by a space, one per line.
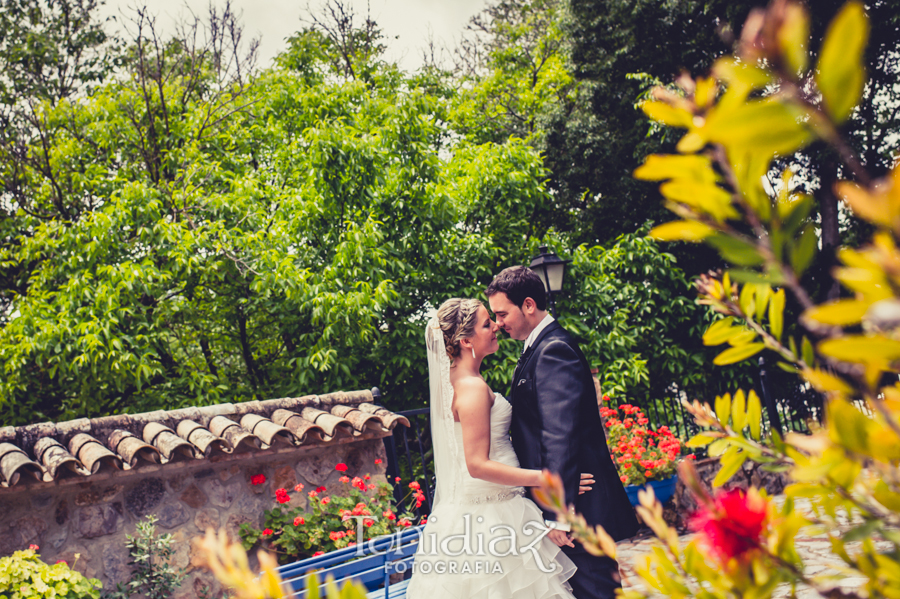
pixel 457 318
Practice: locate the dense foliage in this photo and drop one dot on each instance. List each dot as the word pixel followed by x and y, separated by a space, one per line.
pixel 184 229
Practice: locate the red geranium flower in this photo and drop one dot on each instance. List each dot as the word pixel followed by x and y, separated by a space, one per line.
pixel 733 526
pixel 267 532
pixel 326 500
pixel 344 479
pixel 377 462
pixel 606 398
pixel 62 561
pixel 396 480
pixel 341 467
pixel 299 520
pixel 34 547
pixel 318 553
pixel 368 522
pixel 257 479
pixel 415 485
pixel 389 515
pixel 320 489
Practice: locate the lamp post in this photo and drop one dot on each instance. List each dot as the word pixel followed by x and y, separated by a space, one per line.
pixel 551 269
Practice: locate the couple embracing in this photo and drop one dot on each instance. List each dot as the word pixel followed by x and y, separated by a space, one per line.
pixel 485 537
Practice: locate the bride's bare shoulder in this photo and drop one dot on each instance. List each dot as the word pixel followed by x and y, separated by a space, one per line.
pixel 471 389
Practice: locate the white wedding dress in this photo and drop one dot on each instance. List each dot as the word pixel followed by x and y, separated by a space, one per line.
pixel 488 540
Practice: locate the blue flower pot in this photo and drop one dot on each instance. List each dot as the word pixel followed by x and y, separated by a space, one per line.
pixel 664 489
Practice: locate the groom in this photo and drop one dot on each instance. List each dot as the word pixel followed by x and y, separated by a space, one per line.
pixel 556 424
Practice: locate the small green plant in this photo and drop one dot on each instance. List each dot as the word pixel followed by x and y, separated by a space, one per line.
pixel 24 576
pixel 152 573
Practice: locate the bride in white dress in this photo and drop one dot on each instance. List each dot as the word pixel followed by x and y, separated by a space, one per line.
pixel 483 538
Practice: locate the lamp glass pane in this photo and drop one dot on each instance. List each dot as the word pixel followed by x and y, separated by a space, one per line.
pixel 555 274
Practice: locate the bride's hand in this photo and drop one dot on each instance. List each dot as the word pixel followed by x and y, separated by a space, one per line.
pixel 584 485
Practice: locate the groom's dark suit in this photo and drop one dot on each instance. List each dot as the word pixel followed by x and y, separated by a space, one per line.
pixel 556 425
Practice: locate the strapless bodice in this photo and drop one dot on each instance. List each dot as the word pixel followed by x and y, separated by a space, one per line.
pixel 476 490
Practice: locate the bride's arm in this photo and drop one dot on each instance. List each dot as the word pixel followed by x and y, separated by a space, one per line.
pixel 472 405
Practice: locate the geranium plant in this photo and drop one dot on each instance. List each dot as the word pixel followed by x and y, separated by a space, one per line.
pixel 641 453
pixel 358 510
pixel 24 576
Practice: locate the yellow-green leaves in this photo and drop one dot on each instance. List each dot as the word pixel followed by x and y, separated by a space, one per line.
pixel 682 230
pixel 793 37
pixel 668 114
pixel 776 313
pixel 754 414
pixel 706 198
pixel 736 354
pixel 731 461
pixel 860 349
pixel 767 126
pixel 840 313
pixel 659 167
pixel 723 408
pixel 840 73
pixel 825 382
pixel 721 331
pixel 880 205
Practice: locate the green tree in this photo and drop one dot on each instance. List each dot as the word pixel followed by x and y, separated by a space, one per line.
pixel 594 148
pixel 241 236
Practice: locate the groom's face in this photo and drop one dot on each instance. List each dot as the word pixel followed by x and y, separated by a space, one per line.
pixel 509 317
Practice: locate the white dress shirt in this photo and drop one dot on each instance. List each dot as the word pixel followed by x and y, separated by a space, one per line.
pixel 537 331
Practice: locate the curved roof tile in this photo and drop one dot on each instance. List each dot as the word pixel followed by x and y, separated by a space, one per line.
pixel 49 451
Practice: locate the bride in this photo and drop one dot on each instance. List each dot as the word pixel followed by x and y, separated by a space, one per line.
pixel 483 537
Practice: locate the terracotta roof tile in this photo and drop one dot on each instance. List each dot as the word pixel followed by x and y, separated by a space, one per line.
pixel 48 452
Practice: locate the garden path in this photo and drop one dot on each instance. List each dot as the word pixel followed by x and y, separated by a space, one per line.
pixel 815 551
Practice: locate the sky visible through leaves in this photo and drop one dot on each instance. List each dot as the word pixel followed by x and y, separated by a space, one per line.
pixel 407 24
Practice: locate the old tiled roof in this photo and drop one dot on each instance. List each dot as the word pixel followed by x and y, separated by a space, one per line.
pixel 49 452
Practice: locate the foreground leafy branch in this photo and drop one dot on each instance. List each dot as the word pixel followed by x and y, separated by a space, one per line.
pixel 757 107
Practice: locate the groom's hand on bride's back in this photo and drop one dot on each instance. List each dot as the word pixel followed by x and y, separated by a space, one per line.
pixel 586 482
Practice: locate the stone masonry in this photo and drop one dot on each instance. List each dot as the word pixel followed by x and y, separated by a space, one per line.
pixel 92 517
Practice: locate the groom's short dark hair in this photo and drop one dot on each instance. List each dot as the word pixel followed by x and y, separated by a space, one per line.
pixel 519 282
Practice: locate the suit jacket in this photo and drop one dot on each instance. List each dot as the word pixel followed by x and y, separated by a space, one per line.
pixel 556 425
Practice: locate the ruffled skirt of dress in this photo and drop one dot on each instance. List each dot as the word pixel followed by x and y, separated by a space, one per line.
pixel 505 558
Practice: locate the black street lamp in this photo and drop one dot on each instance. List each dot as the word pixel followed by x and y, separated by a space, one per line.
pixel 551 269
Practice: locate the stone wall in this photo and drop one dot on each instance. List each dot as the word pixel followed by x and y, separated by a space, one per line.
pixel 92 517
